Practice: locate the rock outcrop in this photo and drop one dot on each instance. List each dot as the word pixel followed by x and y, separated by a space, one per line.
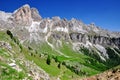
pixel 23 16
pixel 35 14
pixel 102 40
pixel 5 45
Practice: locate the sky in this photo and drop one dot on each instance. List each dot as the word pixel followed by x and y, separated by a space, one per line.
pixel 104 13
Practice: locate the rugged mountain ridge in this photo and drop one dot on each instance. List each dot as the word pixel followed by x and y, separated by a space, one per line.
pixel 30 16
pixel 33 28
pixel 33 31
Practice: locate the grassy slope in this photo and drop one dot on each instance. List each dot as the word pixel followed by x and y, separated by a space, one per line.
pixel 89 65
pixel 52 69
pixel 73 57
pixel 6 72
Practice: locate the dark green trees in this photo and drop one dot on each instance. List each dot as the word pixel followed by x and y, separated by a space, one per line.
pixel 48 61
pixel 10 34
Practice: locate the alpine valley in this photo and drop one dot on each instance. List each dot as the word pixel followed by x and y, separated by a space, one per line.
pixel 36 48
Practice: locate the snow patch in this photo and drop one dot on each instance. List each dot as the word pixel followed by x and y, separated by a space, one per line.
pixel 77 45
pixel 115 52
pixel 101 57
pixel 78 29
pixel 34 37
pixel 46 39
pixel 34 30
pixel 61 29
pixel 44 30
pixel 88 44
pixel 34 27
pixel 96 30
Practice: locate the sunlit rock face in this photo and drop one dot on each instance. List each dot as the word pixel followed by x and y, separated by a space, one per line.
pixel 35 14
pixel 23 16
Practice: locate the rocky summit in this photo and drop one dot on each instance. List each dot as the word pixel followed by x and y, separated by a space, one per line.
pixel 36 48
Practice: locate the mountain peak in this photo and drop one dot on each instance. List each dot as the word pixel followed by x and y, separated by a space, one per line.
pixel 26 5
pixel 25 15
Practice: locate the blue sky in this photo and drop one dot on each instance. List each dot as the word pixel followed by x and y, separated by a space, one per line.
pixel 104 13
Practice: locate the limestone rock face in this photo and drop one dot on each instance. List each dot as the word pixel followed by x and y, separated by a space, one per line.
pixel 28 25
pixel 102 40
pixel 23 16
pixel 35 14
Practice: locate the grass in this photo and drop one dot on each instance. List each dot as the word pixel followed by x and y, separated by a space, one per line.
pixel 42 63
pixel 81 58
pixel 4 36
pixel 44 48
pixel 91 68
pixel 4 53
pixel 51 69
pixel 8 73
pixel 86 63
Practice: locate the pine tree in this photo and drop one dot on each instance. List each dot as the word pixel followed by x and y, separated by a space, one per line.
pixel 48 61
pixel 59 65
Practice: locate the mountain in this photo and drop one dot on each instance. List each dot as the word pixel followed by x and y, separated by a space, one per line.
pixel 36 48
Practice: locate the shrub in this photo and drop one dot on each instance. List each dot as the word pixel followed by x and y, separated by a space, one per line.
pixel 59 65
pixel 10 34
pixel 56 59
pixel 30 48
pixel 48 61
